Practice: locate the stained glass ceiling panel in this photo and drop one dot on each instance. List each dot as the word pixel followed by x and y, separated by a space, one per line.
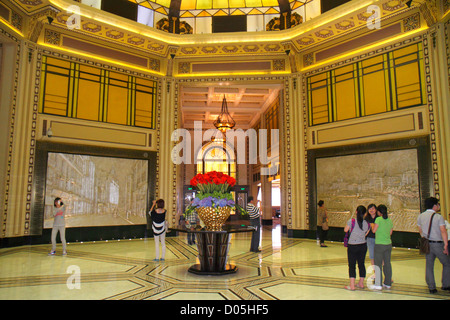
pixel 197 6
pixel 237 3
pixel 203 4
pixel 165 3
pixel 188 4
pixel 219 4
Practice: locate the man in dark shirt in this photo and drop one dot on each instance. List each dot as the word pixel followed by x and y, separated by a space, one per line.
pixel 255 221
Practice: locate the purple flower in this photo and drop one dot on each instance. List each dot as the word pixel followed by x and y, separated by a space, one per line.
pixel 206 202
pixel 230 203
pixel 222 202
pixel 196 202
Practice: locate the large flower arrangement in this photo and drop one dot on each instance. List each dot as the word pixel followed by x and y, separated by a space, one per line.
pixel 214 200
pixel 214 189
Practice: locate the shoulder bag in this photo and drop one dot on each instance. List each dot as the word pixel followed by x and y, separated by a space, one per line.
pixel 424 244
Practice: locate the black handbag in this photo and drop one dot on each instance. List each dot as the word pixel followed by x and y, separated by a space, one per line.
pixel 424 244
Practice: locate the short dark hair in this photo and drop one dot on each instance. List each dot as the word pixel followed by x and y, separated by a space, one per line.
pixel 160 203
pixel 250 199
pixel 320 203
pixel 57 199
pixel 431 202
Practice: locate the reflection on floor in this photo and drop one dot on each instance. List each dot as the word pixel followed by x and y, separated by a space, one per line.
pixel 286 268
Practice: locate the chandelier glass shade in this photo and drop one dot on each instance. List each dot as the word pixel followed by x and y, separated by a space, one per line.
pixel 224 121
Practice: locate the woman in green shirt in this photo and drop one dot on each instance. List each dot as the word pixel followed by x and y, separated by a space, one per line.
pixel 382 228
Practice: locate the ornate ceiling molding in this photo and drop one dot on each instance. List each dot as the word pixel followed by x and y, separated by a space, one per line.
pixel 126 35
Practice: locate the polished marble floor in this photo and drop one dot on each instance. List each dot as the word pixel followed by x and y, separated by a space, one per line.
pixel 285 269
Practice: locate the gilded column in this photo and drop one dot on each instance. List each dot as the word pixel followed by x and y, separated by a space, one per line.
pixel 293 170
pixel 439 62
pixel 300 218
pixel 23 132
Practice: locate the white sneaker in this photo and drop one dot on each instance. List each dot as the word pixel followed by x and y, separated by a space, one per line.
pixel 386 287
pixel 377 287
pixel 52 253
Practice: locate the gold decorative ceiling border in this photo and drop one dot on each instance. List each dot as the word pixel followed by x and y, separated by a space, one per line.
pixel 343 20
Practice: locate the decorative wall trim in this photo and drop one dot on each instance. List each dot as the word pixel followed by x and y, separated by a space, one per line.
pixel 362 41
pixel 431 117
pixel 84 132
pixel 93 62
pixel 11 130
pixel 381 128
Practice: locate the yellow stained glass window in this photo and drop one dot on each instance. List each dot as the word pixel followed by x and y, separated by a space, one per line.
pixel 88 94
pixel 117 107
pixel 56 86
pixel 84 92
pixel 216 158
pixel 345 85
pixel 382 83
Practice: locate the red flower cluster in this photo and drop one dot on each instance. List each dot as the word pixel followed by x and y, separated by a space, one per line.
pixel 212 177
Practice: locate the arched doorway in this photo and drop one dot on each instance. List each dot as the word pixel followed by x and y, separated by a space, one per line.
pixel 216 156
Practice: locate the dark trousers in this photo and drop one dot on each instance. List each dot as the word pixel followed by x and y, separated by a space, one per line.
pixel 382 260
pixel 322 234
pixel 254 244
pixel 191 238
pixel 356 253
pixel 436 251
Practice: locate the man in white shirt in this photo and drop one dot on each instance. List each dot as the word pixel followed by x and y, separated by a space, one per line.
pixel 438 239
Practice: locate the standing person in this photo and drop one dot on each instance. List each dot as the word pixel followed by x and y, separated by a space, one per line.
pixel 59 225
pixel 357 248
pixel 383 228
pixel 438 240
pixel 370 217
pixel 322 223
pixel 255 221
pixel 158 216
pixel 191 221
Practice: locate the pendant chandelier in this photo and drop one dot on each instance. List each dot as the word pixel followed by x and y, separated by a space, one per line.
pixel 224 121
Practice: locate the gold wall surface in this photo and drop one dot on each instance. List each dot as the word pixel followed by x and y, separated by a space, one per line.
pixel 344 84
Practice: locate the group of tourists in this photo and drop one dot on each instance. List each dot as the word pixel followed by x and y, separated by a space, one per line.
pixel 371 231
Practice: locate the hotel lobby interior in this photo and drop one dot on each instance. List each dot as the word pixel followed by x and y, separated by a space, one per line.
pixel 112 104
